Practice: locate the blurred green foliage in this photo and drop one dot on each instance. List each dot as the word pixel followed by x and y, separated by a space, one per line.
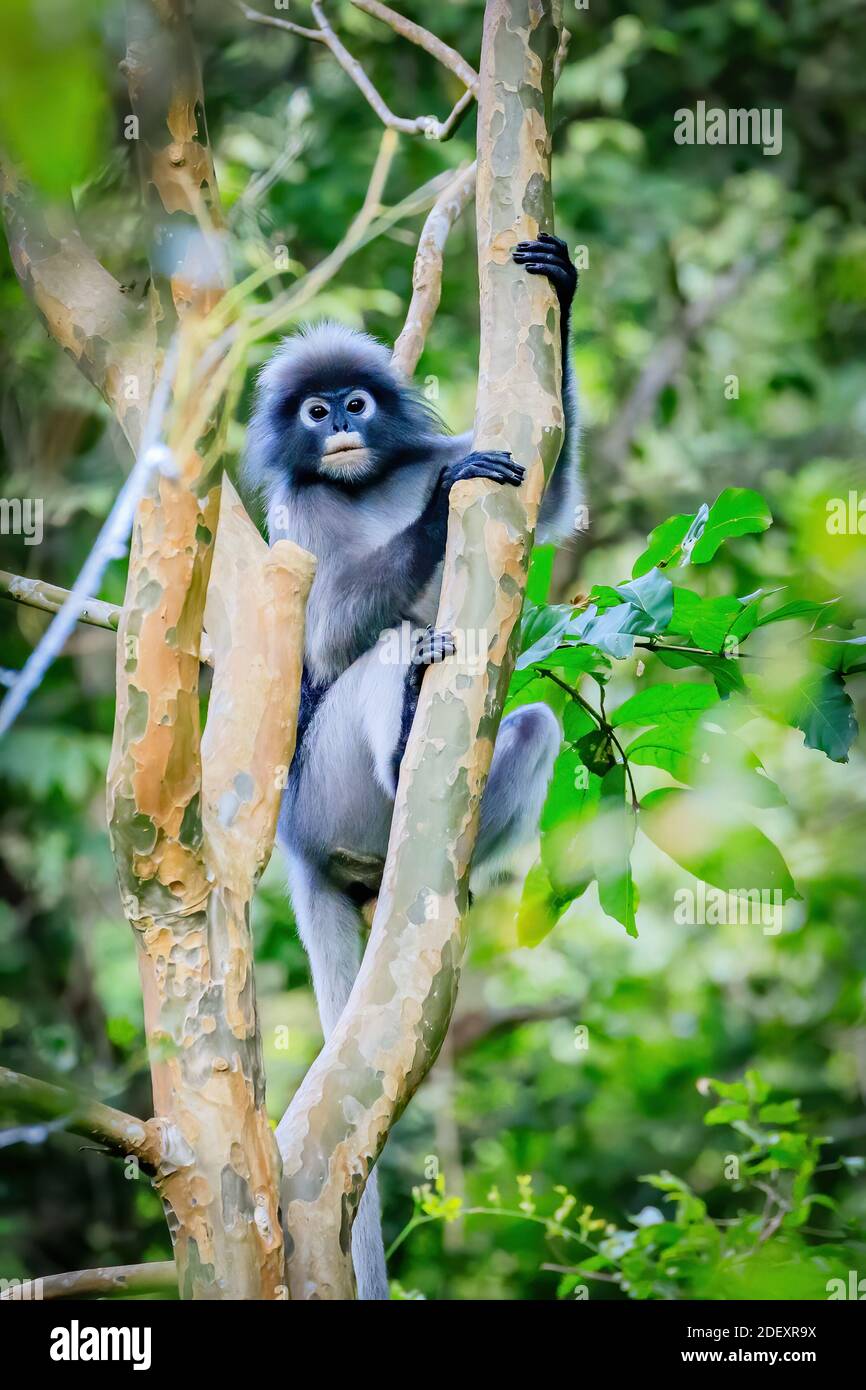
pixel 575 1067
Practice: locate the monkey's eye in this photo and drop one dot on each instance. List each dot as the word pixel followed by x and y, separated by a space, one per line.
pixel 313 411
pixel 360 403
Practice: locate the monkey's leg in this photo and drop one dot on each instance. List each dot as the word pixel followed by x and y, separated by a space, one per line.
pixel 329 926
pixel 526 748
pixel 429 647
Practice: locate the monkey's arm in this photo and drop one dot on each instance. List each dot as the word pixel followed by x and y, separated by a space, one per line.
pixel 549 256
pixel 355 599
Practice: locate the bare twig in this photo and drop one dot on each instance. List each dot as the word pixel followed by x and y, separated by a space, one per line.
pixel 122 1134
pixel 470 1027
pixel 258 18
pixel 271 317
pixel 110 337
pixel 408 29
pixel 667 359
pixel 50 598
pixel 121 1281
pixel 427 271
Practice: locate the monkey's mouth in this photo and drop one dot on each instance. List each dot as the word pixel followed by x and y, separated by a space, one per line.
pixel 345 454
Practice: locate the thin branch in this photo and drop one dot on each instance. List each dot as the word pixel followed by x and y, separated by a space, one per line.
pixel 50 598
pixel 427 270
pixel 122 1134
pixel 471 1027
pixel 667 358
pixel 120 1281
pixel 258 18
pixel 408 29
pixel 429 126
pixel 110 337
pixel 271 317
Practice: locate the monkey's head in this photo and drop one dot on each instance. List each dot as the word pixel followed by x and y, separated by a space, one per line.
pixel 330 407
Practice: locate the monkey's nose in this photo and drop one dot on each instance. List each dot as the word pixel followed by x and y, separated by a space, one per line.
pixel 341 441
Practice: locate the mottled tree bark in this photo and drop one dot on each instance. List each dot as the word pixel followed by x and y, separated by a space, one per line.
pixel 110 337
pixel 192 821
pixel 400 1008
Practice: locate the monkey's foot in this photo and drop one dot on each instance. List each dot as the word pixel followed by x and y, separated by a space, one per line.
pixel 432 646
pixel 549 256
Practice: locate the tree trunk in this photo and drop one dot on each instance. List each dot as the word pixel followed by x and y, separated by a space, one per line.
pixel 400 1008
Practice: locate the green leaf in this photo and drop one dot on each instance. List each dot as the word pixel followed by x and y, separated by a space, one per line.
pixel 669 702
pixel 786 1112
pixel 843 654
pixel 613 836
pixel 540 573
pixel 663 544
pixel 727 1113
pixel 540 907
pixel 541 630
pixel 825 714
pixel 736 512
pixel 725 671
pixel 583 658
pixel 798 608
pixel 733 855
pixel 576 722
pixel 705 621
pixel 595 751
pixel 663 747
pixel 572 803
pixel 653 595
pixel 647 610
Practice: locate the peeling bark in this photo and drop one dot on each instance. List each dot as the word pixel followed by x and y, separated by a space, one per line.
pixel 110 337
pixel 191 820
pixel 400 1008
pixel 167 97
pixel 191 829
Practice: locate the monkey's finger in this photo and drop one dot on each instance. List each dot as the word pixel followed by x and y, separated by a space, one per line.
pixel 505 465
pixel 496 455
pixel 554 241
pixel 556 274
pixel 558 250
pixel 496 475
pixel 540 254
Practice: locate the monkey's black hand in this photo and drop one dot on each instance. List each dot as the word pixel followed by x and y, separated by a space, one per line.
pixel 500 467
pixel 432 646
pixel 549 256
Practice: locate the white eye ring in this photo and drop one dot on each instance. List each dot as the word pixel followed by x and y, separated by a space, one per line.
pixel 368 407
pixel 311 411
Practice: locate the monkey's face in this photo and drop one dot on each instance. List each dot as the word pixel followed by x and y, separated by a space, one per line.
pixel 338 425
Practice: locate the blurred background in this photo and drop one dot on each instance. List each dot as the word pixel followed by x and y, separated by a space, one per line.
pixel 574 1069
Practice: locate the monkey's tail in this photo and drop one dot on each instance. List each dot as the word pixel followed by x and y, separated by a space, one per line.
pixel 329 927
